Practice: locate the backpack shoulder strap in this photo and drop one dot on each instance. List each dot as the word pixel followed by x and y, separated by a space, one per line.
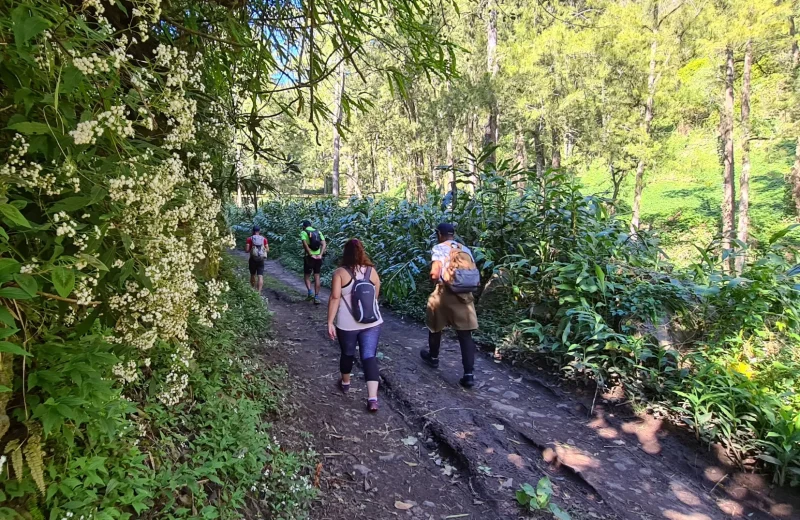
pixel 368 274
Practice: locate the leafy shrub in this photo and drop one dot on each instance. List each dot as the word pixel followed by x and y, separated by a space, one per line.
pixel 566 281
pixel 539 499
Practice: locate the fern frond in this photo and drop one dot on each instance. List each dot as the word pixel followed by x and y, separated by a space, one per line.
pixel 34 456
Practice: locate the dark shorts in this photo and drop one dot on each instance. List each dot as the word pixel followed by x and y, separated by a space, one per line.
pixel 311 265
pixel 256 267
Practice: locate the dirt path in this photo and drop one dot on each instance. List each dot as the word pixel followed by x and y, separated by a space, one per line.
pixel 476 447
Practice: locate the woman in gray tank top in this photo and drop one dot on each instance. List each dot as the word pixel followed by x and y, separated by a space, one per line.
pixel 342 325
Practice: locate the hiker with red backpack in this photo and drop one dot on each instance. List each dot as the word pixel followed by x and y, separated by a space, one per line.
pixel 258 248
pixel 354 317
pixel 314 247
pixel 451 304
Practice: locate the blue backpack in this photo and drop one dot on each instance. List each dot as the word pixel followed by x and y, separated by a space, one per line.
pixel 363 305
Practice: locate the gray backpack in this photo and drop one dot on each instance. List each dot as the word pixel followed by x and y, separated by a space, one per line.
pixel 363 305
pixel 257 251
pixel 461 275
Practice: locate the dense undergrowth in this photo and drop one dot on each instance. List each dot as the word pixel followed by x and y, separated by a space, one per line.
pixel 565 281
pixel 121 453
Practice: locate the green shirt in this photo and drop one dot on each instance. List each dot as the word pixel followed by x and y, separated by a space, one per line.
pixel 304 238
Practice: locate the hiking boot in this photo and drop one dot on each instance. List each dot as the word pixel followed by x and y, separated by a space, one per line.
pixel 467 381
pixel 317 301
pixel 343 387
pixel 432 362
pixel 372 406
pixel 310 297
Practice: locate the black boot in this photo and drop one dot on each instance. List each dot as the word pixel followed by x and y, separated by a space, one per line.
pixel 467 381
pixel 428 359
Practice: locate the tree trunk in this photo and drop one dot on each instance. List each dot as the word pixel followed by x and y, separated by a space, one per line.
pixel 521 154
pixel 556 157
pixel 728 175
pixel 389 166
pixel 490 130
pixel 337 120
pixel 569 143
pixel 648 118
pixel 373 171
pixel 744 178
pixel 795 47
pixel 794 177
pixel 538 148
pixel 473 167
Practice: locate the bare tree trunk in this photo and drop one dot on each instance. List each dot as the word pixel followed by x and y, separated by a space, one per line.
pixel 744 177
pixel 569 143
pixel 389 166
pixel 728 175
pixel 521 154
pixel 794 177
pixel 648 118
pixel 538 148
pixel 473 168
pixel 337 120
pixel 556 157
pixel 490 130
pixel 373 171
pixel 237 170
pixel 449 149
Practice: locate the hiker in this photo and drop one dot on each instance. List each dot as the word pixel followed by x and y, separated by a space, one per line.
pixel 258 247
pixel 451 304
pixel 354 317
pixel 314 245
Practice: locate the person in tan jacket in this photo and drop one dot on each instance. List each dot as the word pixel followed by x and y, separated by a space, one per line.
pixel 448 309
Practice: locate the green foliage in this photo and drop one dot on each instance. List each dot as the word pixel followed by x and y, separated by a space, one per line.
pixel 539 499
pixel 565 281
pixel 211 454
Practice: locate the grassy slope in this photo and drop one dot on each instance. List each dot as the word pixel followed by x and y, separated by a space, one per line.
pixel 683 191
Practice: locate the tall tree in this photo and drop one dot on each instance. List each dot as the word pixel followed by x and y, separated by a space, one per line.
pixel 648 119
pixel 491 131
pixel 728 208
pixel 794 176
pixel 337 122
pixel 744 178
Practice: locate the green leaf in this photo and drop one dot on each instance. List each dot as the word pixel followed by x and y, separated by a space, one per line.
pixel 69 204
pixel 63 281
pixel 27 26
pixel 12 215
pixel 544 487
pixel 27 283
pixel 14 293
pixel 30 128
pixel 601 277
pixel 93 261
pixel 4 389
pixel 6 317
pixel 11 348
pixel 6 333
pixel 559 513
pixel 782 233
pixel 770 459
pixel 8 266
pixel 522 498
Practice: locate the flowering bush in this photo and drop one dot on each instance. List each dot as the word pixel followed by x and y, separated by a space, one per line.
pixel 110 220
pixel 120 123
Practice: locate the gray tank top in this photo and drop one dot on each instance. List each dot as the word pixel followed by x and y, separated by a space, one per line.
pixel 345 320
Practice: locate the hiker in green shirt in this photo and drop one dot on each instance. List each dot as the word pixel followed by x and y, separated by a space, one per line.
pixel 314 246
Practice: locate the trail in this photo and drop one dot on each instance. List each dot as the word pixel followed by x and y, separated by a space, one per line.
pixel 513 428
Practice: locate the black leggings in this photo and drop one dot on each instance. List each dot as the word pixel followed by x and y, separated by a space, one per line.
pixel 467 347
pixel 367 341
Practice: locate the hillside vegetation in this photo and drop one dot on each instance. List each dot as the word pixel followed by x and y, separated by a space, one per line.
pixel 565 281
